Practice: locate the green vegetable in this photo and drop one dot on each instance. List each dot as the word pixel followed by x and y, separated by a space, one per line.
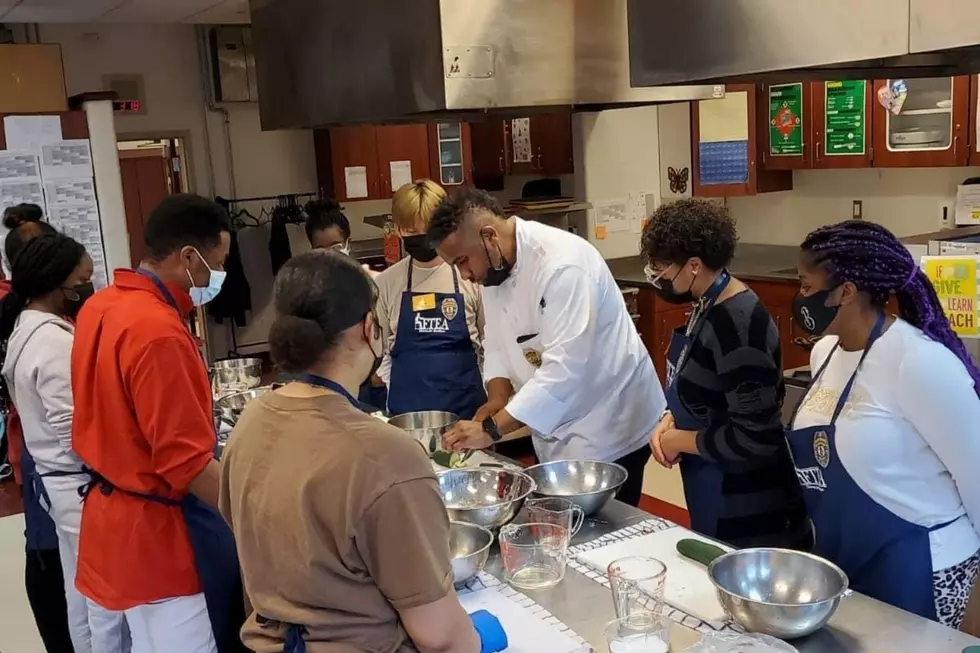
pixel 449 460
pixel 699 551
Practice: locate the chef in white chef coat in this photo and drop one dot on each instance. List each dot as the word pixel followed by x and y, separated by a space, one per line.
pixel 559 333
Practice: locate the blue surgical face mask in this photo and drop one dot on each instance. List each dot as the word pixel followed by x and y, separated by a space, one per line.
pixel 201 296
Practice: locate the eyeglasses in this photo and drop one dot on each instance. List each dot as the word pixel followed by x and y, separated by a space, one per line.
pixel 654 277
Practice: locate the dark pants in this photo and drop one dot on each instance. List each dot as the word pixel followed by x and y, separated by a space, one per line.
pixel 635 463
pixel 45 583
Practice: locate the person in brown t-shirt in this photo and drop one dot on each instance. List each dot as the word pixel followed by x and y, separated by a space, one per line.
pixel 341 531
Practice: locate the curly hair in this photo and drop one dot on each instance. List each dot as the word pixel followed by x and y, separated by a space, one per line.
pixel 879 265
pixel 689 228
pixel 452 210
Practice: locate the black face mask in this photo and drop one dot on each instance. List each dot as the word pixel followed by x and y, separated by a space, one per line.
pixel 496 275
pixel 417 247
pixel 812 313
pixel 671 295
pixel 75 297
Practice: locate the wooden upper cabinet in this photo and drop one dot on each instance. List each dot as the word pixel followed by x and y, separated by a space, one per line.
pixel 489 152
pixel 930 128
pixel 450 154
pixel 726 135
pixel 403 156
pixel 551 143
pixel 842 123
pixel 32 79
pixel 354 161
pixel 787 129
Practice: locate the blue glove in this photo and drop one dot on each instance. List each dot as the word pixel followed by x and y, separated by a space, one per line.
pixel 493 639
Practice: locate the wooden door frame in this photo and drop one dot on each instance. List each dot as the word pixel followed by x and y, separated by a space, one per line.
pixel 185 138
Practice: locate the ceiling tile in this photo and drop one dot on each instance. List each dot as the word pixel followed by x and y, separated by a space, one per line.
pixel 225 13
pixel 158 11
pixel 57 11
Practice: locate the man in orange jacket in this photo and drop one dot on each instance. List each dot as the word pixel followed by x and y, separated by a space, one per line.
pixel 152 545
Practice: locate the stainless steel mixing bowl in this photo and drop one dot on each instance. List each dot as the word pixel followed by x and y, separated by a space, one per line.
pixel 231 406
pixel 469 545
pixel 236 375
pixel 484 496
pixel 426 426
pixel 778 592
pixel 590 484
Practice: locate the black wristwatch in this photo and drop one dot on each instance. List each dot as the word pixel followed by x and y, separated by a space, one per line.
pixel 490 426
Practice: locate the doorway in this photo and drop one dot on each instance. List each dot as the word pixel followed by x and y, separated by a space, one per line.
pixel 151 170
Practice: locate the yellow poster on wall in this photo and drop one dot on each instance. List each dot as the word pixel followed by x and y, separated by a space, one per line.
pixel 955 280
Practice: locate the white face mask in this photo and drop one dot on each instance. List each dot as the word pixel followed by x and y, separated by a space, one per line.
pixel 343 248
pixel 216 278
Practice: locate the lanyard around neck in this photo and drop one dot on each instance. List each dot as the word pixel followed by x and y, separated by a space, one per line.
pixel 321 382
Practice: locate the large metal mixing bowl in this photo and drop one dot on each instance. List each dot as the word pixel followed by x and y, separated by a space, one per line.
pixel 231 406
pixel 469 545
pixel 778 592
pixel 590 484
pixel 484 496
pixel 236 375
pixel 426 426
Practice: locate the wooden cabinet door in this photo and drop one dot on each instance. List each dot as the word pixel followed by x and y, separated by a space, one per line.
pixel 666 322
pixel 145 182
pixel 842 123
pixel 725 147
pixel 974 156
pixel 489 154
pixel 450 154
pixel 790 335
pixel 323 159
pixel 551 143
pixel 930 131
pixel 787 132
pixel 355 147
pixel 398 144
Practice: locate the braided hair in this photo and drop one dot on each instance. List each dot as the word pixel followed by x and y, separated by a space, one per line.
pixel 41 266
pixel 23 222
pixel 879 265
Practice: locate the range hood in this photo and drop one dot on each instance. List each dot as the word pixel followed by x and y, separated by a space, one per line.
pixel 772 41
pixel 322 62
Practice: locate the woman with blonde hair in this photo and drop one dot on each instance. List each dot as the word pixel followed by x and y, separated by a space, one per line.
pixel 431 319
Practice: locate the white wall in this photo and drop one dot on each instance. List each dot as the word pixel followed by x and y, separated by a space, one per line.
pixel 907 201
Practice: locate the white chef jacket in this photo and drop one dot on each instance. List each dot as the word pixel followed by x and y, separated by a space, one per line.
pixel 595 394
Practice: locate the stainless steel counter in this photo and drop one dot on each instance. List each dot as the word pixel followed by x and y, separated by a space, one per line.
pixel 861 624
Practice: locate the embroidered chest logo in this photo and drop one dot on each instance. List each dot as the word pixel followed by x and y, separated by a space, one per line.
pixel 811 478
pixel 450 309
pixel 533 358
pixel 430 324
pixel 821 448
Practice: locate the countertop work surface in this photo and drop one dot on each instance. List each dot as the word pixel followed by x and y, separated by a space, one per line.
pixel 860 625
pixel 759 262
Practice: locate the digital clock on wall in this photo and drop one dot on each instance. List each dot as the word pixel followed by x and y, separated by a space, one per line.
pixel 129 90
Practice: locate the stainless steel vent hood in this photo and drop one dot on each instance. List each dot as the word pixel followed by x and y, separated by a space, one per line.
pixel 712 41
pixel 322 62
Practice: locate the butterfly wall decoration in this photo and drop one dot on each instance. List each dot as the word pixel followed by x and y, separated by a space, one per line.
pixel 678 180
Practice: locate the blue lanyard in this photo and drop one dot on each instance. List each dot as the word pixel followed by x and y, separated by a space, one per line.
pixel 167 295
pixel 320 382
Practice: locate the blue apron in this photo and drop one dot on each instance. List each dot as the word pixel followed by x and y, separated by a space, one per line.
pixel 39 528
pixel 883 555
pixel 433 363
pixel 702 479
pixel 294 642
pixel 212 542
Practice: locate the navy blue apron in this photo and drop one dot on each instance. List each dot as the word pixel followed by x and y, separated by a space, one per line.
pixel 883 555
pixel 294 642
pixel 39 528
pixel 433 363
pixel 212 542
pixel 702 479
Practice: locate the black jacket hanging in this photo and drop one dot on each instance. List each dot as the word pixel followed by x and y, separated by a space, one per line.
pixel 279 249
pixel 235 298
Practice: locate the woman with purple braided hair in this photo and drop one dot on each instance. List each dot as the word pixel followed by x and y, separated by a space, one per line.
pixel 884 440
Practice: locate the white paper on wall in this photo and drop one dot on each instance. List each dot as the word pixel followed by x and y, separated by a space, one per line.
pixel 31 132
pixel 355 182
pixel 67 160
pixel 401 174
pixel 641 204
pixel 614 215
pixel 520 137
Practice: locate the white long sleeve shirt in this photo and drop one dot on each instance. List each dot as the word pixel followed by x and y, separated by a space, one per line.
pixel 559 330
pixel 909 433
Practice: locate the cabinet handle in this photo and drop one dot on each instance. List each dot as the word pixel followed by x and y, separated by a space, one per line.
pixel 500 162
pixel 816 153
pixel 539 159
pixel 956 143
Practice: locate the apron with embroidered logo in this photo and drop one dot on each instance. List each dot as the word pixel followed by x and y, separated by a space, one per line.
pixel 883 555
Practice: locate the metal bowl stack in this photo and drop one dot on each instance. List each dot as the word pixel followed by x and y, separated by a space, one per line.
pixel 231 406
pixel 590 484
pixel 487 497
pixel 469 545
pixel 426 426
pixel 233 375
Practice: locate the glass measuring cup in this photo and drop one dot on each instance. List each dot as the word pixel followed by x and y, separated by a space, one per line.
pixel 555 510
pixel 638 634
pixel 534 554
pixel 637 585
